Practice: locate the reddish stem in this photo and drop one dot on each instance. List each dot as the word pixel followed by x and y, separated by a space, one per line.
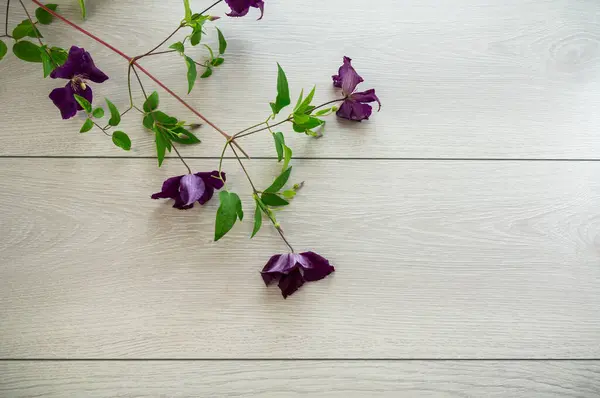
pixel 133 62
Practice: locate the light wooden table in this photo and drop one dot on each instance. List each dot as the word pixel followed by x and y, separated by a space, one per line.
pixel 463 220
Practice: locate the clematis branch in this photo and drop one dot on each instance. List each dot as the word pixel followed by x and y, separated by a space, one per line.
pixel 6 21
pixel 133 62
pixel 35 31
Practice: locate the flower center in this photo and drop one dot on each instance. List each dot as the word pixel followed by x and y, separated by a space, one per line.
pixel 78 83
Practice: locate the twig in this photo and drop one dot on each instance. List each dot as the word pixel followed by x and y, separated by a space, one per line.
pixel 6 21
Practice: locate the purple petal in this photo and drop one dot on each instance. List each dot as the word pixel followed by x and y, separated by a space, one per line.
pixel 90 71
pixel 65 101
pixel 347 78
pixel 353 110
pixel 366 96
pixel 170 189
pixel 191 188
pixel 71 67
pixel 289 284
pixel 211 182
pixel 239 8
pixel 315 267
pixel 280 264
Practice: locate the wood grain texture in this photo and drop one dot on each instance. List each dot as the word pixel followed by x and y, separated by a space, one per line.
pixel 286 379
pixel 464 78
pixel 434 260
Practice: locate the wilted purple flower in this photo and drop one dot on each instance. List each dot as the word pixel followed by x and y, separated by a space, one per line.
pixel 78 69
pixel 189 188
pixel 294 269
pixel 239 8
pixel 355 106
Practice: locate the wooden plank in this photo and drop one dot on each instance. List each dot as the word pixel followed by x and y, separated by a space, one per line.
pixel 466 79
pixel 281 379
pixel 434 260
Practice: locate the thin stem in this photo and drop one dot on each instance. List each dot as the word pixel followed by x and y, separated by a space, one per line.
pixel 221 160
pixel 6 21
pixel 108 126
pixel 133 62
pixel 101 128
pixel 35 31
pixel 159 53
pixel 211 6
pixel 256 192
pixel 251 127
pixel 161 43
pixel 264 128
pixel 154 117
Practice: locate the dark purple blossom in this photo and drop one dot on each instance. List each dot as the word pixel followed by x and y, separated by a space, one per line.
pixel 355 105
pixel 239 8
pixel 294 269
pixel 190 188
pixel 78 69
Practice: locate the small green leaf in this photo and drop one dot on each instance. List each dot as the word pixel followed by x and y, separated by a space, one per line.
pixel 306 103
pixel 98 113
pixel 178 47
pixel 311 123
pixel 192 73
pixel 43 16
pixel 257 220
pixel 87 126
pixel 85 104
pixel 82 6
pixel 279 144
pixel 27 51
pixel 301 118
pixel 162 144
pixel 121 140
pixel 279 181
pixel 324 112
pixel 3 49
pixel 289 194
pixel 115 116
pixel 283 92
pixel 25 28
pixel 196 36
pixel 270 199
pixel 163 118
pixel 207 73
pixel 287 156
pixel 217 61
pixel 47 64
pixel 59 55
pixel 151 103
pixel 299 102
pixel 183 136
pixel 188 10
pixel 222 42
pixel 148 121
pixel 230 209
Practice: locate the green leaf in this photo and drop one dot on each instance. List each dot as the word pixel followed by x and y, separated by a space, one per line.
pixel 299 100
pixel 222 42
pixel 306 103
pixel 257 220
pixel 192 73
pixel 287 156
pixel 25 28
pixel 283 92
pixel 115 116
pixel 229 211
pixel 163 118
pixel 43 16
pixel 85 104
pixel 178 47
pixel 279 144
pixel 121 140
pixel 27 51
pixel 3 49
pixel 151 103
pixel 196 35
pixel 217 61
pixel 87 126
pixel 289 194
pixel 162 144
pixel 188 10
pixel 183 136
pixel 301 118
pixel 82 6
pixel 148 121
pixel 207 73
pixel 270 199
pixel 311 123
pixel 98 113
pixel 59 55
pixel 324 112
pixel 279 181
pixel 47 63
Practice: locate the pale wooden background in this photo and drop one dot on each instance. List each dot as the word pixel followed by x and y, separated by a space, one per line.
pixel 463 220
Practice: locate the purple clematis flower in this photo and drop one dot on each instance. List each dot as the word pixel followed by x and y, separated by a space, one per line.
pixel 190 188
pixel 355 106
pixel 78 68
pixel 294 269
pixel 239 8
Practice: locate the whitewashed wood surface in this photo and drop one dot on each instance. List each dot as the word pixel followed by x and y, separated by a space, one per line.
pixel 472 257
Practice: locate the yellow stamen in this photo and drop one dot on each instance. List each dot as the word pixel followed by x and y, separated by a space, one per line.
pixel 83 86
